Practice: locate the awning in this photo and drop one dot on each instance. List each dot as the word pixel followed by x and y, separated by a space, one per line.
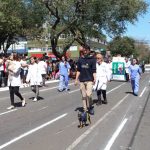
pixel 51 55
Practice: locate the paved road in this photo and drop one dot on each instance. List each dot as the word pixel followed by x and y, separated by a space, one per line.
pixel 51 123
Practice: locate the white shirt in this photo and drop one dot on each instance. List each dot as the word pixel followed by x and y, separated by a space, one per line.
pixel 34 75
pixel 1 65
pixel 43 67
pixel 127 64
pixel 14 77
pixel 24 63
pixel 102 76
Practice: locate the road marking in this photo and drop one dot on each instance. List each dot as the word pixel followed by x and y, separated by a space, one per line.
pixel 43 108
pixel 87 132
pixel 7 112
pixel 143 92
pixel 31 131
pixel 7 88
pixel 115 88
pixel 74 91
pixel 40 91
pixel 115 135
pixel 107 92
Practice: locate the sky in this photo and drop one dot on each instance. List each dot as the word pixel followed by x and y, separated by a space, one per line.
pixel 141 29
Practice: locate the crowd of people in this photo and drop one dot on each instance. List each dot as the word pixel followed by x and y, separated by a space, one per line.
pixel 49 68
pixel 91 71
pixel 17 70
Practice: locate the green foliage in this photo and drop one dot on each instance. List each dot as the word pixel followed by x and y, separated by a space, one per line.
pixel 122 45
pixel 20 18
pixel 92 18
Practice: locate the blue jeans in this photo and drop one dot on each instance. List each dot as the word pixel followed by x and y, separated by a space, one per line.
pixel 63 82
pixel 135 85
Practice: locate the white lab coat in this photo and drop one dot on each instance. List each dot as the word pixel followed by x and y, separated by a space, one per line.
pixel 34 75
pixel 14 77
pixel 127 65
pixel 102 76
pixel 43 67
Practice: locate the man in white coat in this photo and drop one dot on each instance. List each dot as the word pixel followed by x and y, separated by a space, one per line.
pixel 102 77
pixel 34 77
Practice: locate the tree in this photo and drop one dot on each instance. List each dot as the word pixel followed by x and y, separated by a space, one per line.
pixel 143 51
pixel 20 18
pixel 122 45
pixel 90 18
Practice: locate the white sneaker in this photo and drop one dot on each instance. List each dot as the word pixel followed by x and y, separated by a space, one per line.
pixel 35 99
pixel 11 107
pixel 23 102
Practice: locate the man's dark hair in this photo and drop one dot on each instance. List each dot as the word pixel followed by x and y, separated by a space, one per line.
pixel 86 47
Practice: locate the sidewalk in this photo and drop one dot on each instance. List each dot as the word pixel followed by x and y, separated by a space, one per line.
pixel 6 88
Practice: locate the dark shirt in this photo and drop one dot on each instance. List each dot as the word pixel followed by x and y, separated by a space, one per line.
pixel 86 66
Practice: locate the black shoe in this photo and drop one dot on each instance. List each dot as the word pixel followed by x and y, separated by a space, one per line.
pixel 105 101
pixel 67 89
pixel 60 90
pixel 99 102
pixel 91 110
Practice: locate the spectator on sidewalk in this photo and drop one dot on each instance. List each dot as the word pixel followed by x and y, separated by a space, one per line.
pixel 34 77
pixel 14 80
pixel 1 70
pixel 86 74
pixel 134 76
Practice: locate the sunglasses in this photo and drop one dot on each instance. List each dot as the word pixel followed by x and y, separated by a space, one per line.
pixel 98 58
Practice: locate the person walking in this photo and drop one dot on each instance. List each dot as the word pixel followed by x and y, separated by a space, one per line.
pixel 43 68
pixel 134 76
pixel 24 70
pixel 14 80
pixel 86 74
pixel 64 71
pixel 34 77
pixel 127 64
pixel 102 77
pixel 1 70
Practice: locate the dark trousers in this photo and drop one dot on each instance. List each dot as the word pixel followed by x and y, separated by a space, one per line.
pixel 1 77
pixel 5 78
pixel 127 76
pixel 103 92
pixel 14 90
pixel 24 75
pixel 43 78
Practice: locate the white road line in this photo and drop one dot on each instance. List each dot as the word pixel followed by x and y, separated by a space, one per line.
pixel 107 92
pixel 143 92
pixel 7 88
pixel 115 135
pixel 40 91
pixel 87 132
pixel 31 131
pixel 74 91
pixel 115 88
pixel 43 108
pixel 7 112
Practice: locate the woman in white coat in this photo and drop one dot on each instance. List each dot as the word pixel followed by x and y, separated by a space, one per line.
pixel 34 77
pixel 102 77
pixel 14 80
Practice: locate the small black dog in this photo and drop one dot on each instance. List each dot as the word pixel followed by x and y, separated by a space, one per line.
pixel 83 117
